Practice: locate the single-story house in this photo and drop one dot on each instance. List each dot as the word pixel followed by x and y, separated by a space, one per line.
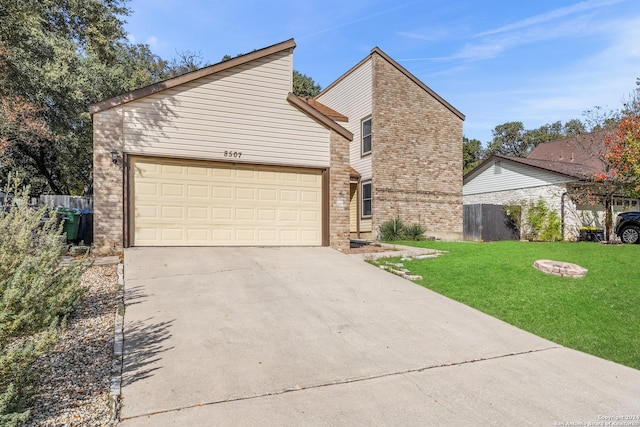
pixel 227 156
pixel 560 172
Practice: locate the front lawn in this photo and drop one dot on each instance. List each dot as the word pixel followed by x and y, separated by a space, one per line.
pixel 598 314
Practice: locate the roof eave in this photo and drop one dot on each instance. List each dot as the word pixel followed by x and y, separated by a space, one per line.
pixel 318 116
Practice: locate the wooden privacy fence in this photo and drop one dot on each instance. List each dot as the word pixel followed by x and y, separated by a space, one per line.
pixel 71 202
pixel 488 223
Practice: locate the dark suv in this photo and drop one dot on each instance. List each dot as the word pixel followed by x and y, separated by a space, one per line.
pixel 628 227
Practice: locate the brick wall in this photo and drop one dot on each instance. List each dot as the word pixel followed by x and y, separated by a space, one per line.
pixel 339 192
pixel 107 182
pixel 416 156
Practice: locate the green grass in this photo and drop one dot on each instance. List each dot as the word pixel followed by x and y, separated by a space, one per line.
pixel 598 314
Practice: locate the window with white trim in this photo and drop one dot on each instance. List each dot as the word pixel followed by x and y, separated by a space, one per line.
pixel 366 136
pixel 366 199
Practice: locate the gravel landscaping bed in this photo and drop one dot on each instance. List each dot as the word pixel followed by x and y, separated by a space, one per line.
pixel 74 389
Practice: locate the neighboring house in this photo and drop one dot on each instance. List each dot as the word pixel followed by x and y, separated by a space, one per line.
pixel 560 172
pixel 406 154
pixel 228 156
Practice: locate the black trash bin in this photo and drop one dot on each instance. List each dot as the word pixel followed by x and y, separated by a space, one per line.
pixel 85 230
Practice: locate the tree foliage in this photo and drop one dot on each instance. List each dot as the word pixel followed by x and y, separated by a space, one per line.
pixel 623 153
pixel 574 127
pixel 304 86
pixel 36 295
pixel 47 49
pixel 512 139
pixel 472 153
pixel 184 62
pixel 508 140
pixel 621 156
pixel 56 58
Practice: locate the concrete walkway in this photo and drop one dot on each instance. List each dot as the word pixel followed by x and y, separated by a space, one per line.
pixel 310 336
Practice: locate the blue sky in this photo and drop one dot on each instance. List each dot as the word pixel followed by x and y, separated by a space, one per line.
pixel 495 61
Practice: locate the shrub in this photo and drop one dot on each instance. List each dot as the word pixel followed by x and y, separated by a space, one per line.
pixel 36 296
pixel 543 224
pixel 414 232
pixel 392 230
pixel 395 229
pixel 552 231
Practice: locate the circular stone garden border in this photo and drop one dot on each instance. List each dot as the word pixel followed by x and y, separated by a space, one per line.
pixel 559 268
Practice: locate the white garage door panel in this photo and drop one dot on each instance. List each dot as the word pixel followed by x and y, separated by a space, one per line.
pixel 182 203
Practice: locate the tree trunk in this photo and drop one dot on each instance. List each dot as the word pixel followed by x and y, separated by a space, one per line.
pixel 608 218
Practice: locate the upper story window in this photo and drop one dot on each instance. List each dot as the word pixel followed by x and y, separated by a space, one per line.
pixel 366 136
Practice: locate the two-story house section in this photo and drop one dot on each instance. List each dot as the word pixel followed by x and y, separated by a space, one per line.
pixel 406 152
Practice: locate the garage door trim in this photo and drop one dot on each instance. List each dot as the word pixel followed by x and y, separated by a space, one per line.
pixel 129 193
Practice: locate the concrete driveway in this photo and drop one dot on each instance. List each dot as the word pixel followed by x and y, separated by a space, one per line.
pixel 310 336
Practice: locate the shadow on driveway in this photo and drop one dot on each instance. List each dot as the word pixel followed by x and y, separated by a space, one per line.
pixel 143 343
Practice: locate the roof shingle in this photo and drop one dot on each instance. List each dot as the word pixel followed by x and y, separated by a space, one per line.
pixel 327 111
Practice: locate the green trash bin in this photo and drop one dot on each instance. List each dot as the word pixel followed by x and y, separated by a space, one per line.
pixel 71 218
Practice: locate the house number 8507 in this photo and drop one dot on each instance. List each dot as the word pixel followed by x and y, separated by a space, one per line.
pixel 235 154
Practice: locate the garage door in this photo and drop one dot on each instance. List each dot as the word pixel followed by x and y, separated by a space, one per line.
pixel 190 203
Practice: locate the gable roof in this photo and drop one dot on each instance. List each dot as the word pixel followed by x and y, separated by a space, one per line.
pixel 578 157
pixel 414 79
pixel 188 77
pixel 536 164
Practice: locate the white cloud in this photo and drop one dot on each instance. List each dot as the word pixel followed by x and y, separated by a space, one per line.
pixel 564 92
pixel 428 34
pixel 363 18
pixel 493 46
pixel 552 15
pixel 581 19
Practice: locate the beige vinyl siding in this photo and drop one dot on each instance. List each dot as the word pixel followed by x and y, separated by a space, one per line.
pixel 352 97
pixel 353 208
pixel 509 176
pixel 240 110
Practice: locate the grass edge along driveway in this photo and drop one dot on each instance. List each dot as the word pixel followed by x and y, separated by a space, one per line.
pixel 598 314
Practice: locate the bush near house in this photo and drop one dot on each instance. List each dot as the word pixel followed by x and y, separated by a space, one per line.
pixel 395 229
pixel 540 224
pixel 36 296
